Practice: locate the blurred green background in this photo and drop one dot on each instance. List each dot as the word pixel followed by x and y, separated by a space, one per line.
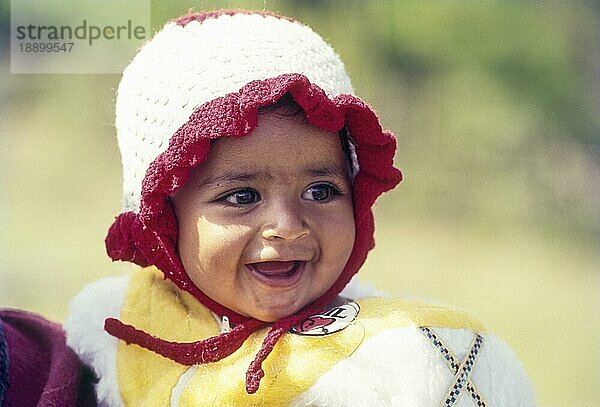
pixel 496 106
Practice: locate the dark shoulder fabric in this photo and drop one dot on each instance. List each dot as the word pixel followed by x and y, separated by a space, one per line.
pixel 3 364
pixel 42 369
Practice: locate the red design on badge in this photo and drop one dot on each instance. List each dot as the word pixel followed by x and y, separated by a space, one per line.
pixel 314 322
pixel 328 322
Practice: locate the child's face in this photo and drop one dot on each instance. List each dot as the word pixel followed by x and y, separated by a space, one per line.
pixel 266 224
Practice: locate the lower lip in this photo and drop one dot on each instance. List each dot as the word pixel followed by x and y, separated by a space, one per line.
pixel 279 280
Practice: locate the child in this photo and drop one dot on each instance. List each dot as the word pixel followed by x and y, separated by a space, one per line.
pixel 249 171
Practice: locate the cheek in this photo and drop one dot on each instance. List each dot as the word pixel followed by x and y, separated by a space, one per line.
pixel 339 233
pixel 346 240
pixel 220 243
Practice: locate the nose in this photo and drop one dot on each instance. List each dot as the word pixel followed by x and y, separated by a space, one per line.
pixel 285 221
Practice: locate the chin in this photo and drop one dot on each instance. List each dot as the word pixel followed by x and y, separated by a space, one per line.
pixel 271 316
pixel 277 313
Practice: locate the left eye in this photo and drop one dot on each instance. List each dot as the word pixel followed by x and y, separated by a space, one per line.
pixel 320 193
pixel 242 197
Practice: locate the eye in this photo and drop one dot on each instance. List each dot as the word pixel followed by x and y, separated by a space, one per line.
pixel 241 197
pixel 320 193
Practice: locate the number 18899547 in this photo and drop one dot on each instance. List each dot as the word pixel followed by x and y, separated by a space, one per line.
pixel 45 46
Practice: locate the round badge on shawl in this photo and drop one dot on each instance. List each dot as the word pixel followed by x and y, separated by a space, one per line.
pixel 328 322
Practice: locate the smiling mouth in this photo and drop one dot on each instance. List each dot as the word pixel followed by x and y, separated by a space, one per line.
pixel 279 274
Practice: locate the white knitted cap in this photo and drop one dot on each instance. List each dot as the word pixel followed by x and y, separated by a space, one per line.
pixel 193 61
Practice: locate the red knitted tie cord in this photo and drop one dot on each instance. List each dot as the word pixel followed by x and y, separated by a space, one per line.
pixel 255 372
pixel 217 347
pixel 211 349
pixel 191 353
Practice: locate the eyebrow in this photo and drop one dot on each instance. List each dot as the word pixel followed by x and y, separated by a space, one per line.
pixel 233 176
pixel 325 170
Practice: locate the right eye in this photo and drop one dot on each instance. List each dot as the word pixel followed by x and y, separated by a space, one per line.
pixel 242 197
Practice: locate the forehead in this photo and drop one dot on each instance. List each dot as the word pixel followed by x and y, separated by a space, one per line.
pixel 281 144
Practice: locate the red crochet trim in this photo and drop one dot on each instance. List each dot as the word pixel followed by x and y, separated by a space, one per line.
pixel 202 16
pixel 150 237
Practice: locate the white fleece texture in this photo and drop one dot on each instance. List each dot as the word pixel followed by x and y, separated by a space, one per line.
pixel 400 367
pixel 86 336
pixel 357 289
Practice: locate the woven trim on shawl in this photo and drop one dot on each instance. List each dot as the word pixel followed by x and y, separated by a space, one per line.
pixel 460 370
